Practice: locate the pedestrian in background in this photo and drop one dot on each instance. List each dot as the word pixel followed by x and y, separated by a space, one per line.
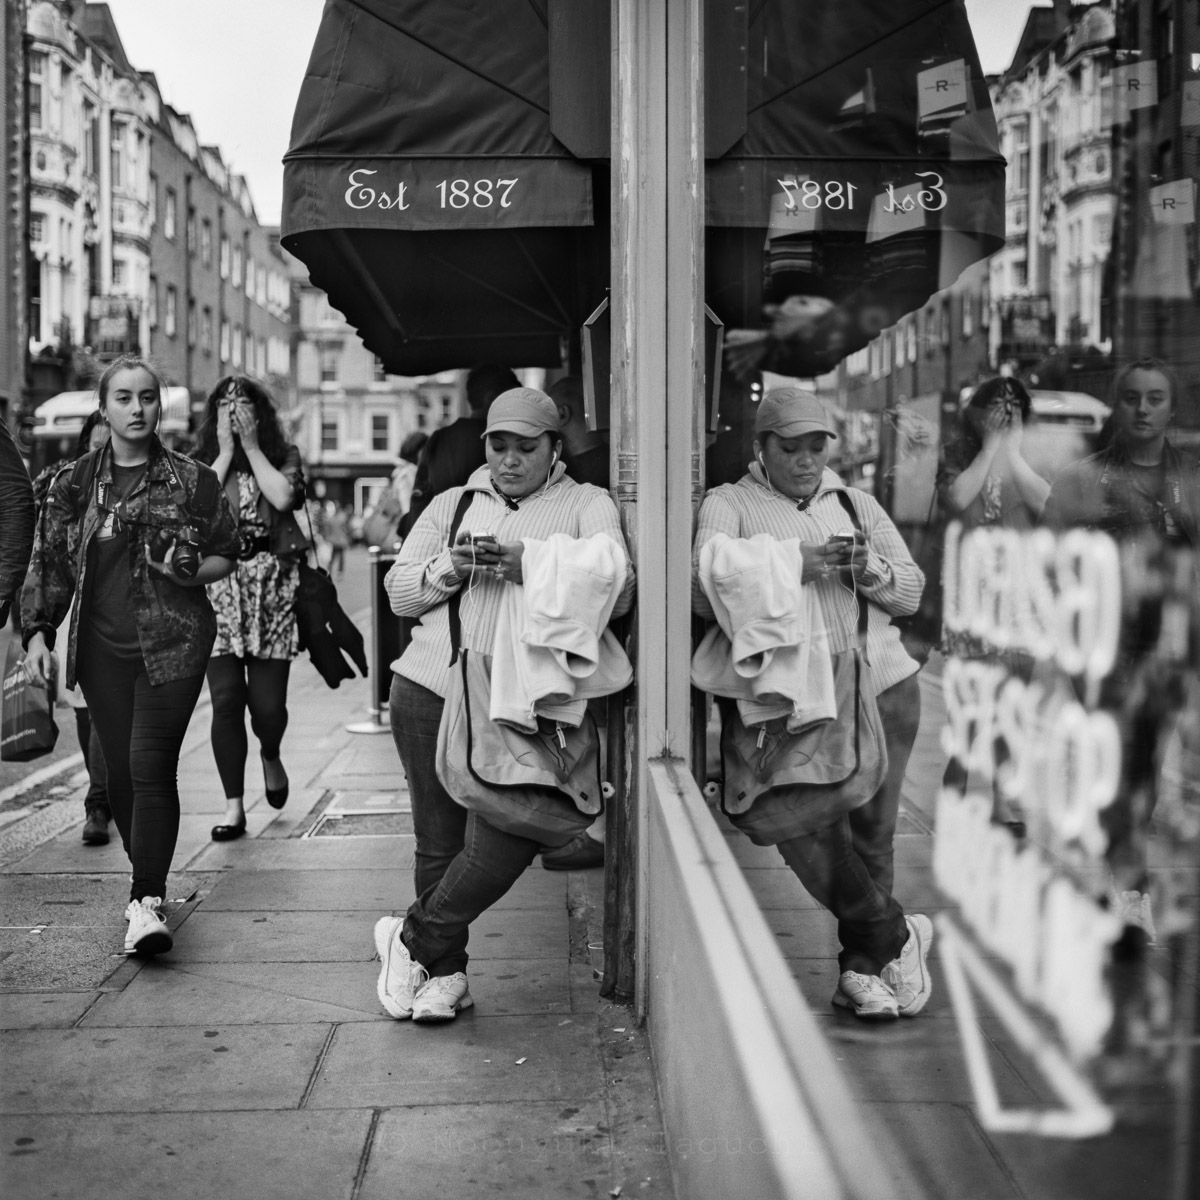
pixel 96 813
pixel 465 863
pixel 337 530
pixel 16 521
pixel 984 478
pixel 453 452
pixel 1140 490
pixel 790 494
pixel 133 551
pixel 257 637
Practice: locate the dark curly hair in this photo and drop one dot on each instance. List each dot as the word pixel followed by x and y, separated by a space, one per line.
pixel 1003 388
pixel 270 432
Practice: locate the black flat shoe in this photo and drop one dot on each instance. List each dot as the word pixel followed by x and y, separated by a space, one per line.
pixel 276 797
pixel 227 833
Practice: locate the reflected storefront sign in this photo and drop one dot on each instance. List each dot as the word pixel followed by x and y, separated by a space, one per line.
pixel 1071 704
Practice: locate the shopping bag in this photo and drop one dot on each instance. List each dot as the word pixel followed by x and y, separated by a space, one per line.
pixel 27 728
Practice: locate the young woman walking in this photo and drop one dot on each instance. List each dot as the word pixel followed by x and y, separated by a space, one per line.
pixel 132 533
pixel 256 626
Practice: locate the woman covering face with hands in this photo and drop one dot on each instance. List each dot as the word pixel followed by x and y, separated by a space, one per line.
pixel 132 534
pixel 257 635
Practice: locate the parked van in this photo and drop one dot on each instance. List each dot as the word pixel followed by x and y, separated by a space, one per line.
pixel 57 422
pixel 1066 428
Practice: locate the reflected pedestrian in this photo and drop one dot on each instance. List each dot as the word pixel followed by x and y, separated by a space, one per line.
pixel 257 637
pixel 791 495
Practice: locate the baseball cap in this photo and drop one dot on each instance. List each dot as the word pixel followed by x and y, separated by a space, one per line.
pixel 524 411
pixel 792 412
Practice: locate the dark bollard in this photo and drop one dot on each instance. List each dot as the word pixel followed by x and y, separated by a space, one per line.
pixel 385 644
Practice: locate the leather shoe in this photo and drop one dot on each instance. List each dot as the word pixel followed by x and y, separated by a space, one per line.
pixel 227 833
pixel 95 828
pixel 276 797
pixel 578 854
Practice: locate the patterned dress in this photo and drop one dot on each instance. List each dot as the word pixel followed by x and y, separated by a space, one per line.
pixel 255 604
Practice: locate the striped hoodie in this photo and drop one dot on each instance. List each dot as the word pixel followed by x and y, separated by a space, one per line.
pixel 894 581
pixel 422 579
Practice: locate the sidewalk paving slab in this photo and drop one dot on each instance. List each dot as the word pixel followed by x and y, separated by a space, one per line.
pixel 254 1060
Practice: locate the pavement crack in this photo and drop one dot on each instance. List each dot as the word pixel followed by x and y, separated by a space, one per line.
pixel 360 1173
pixel 316 1071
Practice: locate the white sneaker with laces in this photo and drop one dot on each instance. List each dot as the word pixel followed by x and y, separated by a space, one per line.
pixel 867 996
pixel 399 977
pixel 908 975
pixel 1133 909
pixel 442 998
pixel 148 933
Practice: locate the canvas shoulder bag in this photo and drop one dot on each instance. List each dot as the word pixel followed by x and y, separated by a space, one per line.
pixel 778 785
pixel 545 786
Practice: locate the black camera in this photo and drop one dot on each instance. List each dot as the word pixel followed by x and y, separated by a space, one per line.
pixel 185 562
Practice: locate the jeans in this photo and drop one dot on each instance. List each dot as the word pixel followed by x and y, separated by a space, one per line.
pixel 93 759
pixel 141 729
pixel 236 684
pixel 848 866
pixel 463 864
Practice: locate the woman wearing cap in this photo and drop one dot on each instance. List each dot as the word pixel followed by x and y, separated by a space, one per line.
pixel 464 864
pixel 790 493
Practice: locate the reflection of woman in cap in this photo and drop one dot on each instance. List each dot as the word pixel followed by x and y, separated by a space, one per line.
pixel 984 479
pixel 464 863
pixel 791 494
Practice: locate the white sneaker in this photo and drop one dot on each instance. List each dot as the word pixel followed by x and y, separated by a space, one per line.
pixel 148 933
pixel 867 996
pixel 1133 910
pixel 399 977
pixel 908 975
pixel 442 998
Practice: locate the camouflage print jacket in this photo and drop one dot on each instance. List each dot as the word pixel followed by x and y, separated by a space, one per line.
pixel 176 625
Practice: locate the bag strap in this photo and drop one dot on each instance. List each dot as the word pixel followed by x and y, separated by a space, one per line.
pixel 848 505
pixel 464 502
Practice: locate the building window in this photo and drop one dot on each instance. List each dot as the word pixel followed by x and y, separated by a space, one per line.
pixel 37 227
pixel 224 341
pixel 91 138
pixel 153 200
pixel 189 234
pixel 120 276
pixel 206 330
pixel 117 154
pixel 193 328
pixel 237 264
pixel 1021 274
pixel 968 315
pixel 169 214
pixel 35 106
pixel 152 302
pixel 172 310
pixel 249 278
pixel 380 370
pixel 330 361
pixel 224 256
pixel 329 433
pixel 238 358
pixel 381 431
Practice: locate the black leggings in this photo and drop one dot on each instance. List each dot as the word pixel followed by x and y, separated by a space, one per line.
pixel 236 684
pixel 141 729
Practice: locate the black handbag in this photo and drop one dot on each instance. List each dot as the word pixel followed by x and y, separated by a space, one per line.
pixel 325 631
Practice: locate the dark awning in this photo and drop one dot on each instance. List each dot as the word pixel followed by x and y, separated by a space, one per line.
pixel 868 175
pixel 426 193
